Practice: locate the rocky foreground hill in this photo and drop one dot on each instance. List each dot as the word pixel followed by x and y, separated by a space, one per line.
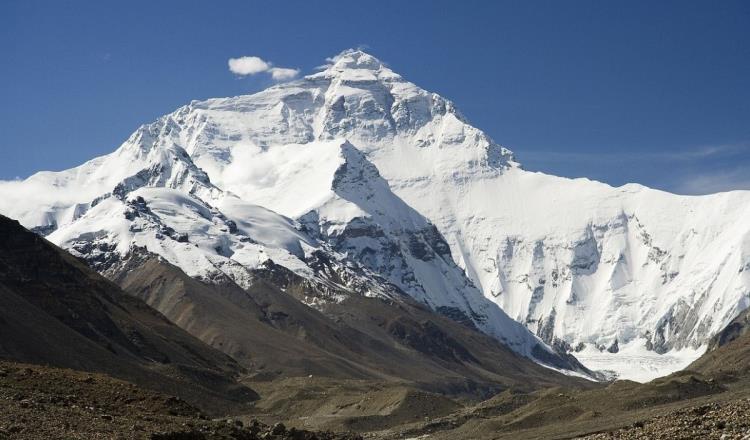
pixel 42 402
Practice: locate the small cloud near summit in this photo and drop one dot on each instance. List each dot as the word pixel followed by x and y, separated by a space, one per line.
pixel 283 73
pixel 244 66
pixel 252 65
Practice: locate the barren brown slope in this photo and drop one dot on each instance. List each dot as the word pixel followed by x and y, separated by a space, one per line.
pixel 55 310
pixel 51 403
pixel 270 331
pixel 728 352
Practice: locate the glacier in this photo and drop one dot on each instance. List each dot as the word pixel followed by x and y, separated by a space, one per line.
pixel 403 194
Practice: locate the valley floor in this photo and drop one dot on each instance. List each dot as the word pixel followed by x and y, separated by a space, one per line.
pixel 43 402
pixel 685 405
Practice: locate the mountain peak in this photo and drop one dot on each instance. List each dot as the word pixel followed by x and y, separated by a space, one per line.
pixel 355 59
pixel 355 64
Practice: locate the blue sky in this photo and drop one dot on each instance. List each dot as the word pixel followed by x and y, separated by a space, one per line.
pixel 651 92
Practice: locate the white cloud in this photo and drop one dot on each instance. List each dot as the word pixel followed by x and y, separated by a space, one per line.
pixel 248 65
pixel 283 73
pixel 252 65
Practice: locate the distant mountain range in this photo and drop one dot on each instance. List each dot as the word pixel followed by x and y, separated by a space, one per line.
pixel 362 223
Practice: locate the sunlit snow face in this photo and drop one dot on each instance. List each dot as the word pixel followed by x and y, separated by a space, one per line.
pixel 574 260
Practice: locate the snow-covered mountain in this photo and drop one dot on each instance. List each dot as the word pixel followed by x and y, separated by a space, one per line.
pixel 392 188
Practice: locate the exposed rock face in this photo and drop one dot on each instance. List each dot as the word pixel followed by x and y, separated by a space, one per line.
pixel 728 353
pixel 738 328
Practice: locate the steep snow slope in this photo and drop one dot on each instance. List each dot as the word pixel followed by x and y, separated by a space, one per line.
pixel 148 158
pixel 589 263
pixel 604 271
pixel 361 218
pixel 187 232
